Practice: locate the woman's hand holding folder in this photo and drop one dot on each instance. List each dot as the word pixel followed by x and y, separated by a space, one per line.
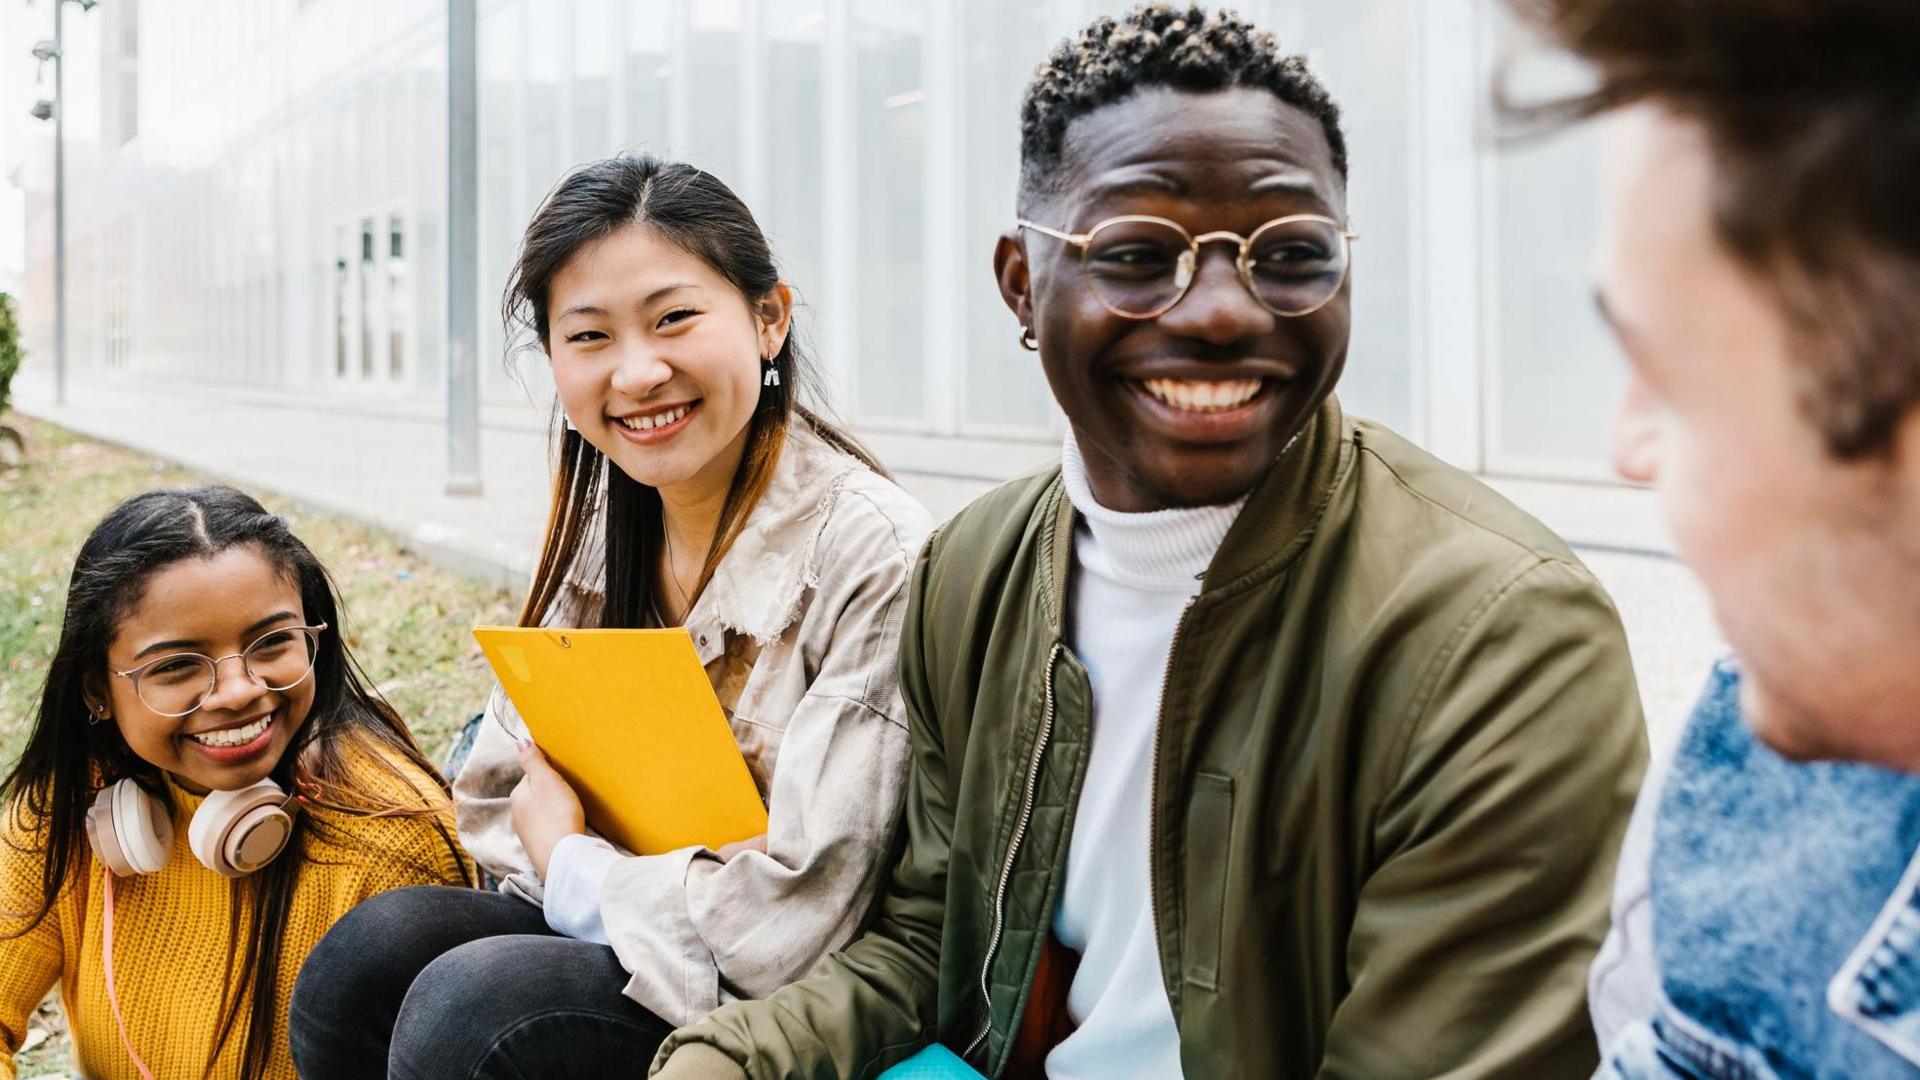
pixel 544 808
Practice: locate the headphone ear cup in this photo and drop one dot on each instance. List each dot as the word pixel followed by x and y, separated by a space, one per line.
pixel 129 830
pixel 144 827
pixel 235 833
pixel 101 835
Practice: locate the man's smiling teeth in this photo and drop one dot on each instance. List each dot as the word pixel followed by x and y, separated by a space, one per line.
pixel 233 736
pixel 1203 395
pixel 648 423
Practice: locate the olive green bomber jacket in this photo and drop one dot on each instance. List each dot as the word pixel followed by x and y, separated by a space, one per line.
pixel 1398 743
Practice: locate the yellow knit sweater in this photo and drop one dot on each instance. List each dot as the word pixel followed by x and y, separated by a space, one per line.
pixel 173 950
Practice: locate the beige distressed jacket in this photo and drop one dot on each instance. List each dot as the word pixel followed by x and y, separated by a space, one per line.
pixel 799 630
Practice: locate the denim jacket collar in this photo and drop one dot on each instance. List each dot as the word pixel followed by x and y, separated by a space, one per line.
pixel 1784 899
pixel 1878 989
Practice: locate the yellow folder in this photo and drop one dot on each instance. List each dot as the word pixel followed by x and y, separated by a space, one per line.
pixel 629 718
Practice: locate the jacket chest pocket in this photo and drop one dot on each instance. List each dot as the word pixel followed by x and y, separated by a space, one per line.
pixel 750 699
pixel 1209 849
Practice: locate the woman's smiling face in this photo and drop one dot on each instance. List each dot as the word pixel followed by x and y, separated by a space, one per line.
pixel 657 357
pixel 216 606
pixel 1191 406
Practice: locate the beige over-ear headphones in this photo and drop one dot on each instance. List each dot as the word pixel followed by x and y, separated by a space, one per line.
pixel 233 833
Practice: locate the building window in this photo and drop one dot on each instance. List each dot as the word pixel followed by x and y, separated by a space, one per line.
pixel 342 300
pixel 365 307
pixel 396 299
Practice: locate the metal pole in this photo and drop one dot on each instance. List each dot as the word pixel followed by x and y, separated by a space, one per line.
pixel 59 212
pixel 463 250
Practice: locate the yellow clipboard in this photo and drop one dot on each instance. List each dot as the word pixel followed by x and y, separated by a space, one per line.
pixel 629 718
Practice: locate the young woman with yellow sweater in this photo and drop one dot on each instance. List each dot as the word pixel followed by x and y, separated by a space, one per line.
pixel 209 785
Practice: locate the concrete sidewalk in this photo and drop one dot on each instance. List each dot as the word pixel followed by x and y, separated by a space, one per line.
pixel 384 462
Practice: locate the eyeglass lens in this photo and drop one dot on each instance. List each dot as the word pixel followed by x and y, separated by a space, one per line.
pixel 1141 268
pixel 179 684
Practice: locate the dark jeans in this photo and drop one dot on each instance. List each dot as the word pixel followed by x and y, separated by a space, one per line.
pixel 438 982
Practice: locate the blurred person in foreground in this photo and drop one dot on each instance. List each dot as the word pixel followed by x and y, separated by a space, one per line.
pixel 1252 740
pixel 1761 270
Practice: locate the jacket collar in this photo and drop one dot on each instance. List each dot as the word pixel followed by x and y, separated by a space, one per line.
pixel 758 587
pixel 1286 504
pixel 1875 990
pixel 1270 532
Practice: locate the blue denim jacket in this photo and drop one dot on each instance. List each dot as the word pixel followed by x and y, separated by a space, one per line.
pixel 1784 907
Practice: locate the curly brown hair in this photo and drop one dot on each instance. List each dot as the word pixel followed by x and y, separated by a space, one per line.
pixel 1182 46
pixel 1811 109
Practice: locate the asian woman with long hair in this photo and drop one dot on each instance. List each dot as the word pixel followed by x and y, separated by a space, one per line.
pixel 694 487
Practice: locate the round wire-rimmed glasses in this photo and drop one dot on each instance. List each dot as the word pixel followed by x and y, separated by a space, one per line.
pixel 1141 266
pixel 177 684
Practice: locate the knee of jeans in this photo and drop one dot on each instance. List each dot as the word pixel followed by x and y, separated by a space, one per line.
pixel 352 956
pixel 450 1010
pixel 462 981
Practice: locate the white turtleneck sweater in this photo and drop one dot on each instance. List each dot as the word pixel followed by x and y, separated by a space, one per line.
pixel 1133 576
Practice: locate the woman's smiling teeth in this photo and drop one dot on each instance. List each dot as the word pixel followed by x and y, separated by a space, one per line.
pixel 238 736
pixel 1203 395
pixel 656 420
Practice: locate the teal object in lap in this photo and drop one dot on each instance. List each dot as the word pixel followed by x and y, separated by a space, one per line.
pixel 936 1062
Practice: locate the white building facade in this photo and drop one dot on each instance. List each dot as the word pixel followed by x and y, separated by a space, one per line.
pixel 256 194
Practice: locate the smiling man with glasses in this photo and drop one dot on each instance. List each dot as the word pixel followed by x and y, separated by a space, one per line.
pixel 1252 741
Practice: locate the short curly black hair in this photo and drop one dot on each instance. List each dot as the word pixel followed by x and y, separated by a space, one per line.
pixel 1182 46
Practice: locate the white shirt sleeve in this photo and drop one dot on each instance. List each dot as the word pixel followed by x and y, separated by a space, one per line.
pixel 576 873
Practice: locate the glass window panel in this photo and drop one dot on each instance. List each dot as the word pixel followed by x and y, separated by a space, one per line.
pixel 363 307
pixel 1558 376
pixel 342 307
pixel 593 55
pixel 794 210
pixel 890 116
pixel 425 217
pixel 1001 41
pixel 399 288
pixel 546 157
pixel 648 70
pixel 1363 52
pixel 364 169
pixel 402 138
pixel 502 65
pixel 713 51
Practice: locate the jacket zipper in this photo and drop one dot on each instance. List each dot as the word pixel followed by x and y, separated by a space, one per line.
pixel 1013 849
pixel 1153 782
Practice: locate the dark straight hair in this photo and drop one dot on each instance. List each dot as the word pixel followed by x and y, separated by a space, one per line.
pixel 67 758
pixel 695 211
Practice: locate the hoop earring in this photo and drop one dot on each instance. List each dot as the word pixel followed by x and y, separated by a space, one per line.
pixel 1028 341
pixel 96 714
pixel 770 372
